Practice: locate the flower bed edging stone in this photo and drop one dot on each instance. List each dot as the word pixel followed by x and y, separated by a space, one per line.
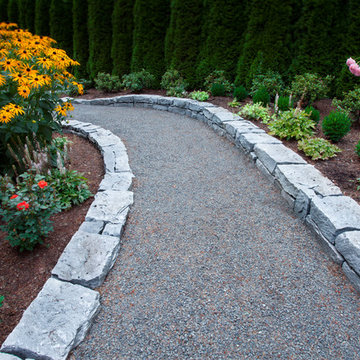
pixel 312 196
pixel 62 313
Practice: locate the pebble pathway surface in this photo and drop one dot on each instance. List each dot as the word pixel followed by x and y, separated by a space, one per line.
pixel 213 263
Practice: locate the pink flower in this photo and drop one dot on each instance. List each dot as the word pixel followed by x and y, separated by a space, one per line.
pixel 350 61
pixel 355 69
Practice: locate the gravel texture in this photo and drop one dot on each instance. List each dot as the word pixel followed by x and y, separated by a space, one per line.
pixel 213 264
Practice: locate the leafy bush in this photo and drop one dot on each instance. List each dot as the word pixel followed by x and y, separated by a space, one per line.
pixel 107 82
pixel 285 103
pixel 217 77
pixel 70 187
pixel 261 96
pixel 271 81
pixel 240 93
pixel 318 148
pixel 234 103
pixel 217 89
pixel 292 124
pixel 350 104
pixel 357 149
pixel 173 83
pixel 314 114
pixel 33 75
pixel 136 81
pixel 26 210
pixel 199 95
pixel 255 112
pixel 336 125
pixel 310 87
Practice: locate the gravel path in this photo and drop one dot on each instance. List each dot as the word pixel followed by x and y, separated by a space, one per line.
pixel 213 263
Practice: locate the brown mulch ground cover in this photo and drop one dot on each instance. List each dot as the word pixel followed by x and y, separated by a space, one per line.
pixel 22 275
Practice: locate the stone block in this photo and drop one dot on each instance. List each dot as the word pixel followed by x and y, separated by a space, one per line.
pixel 122 162
pixel 348 245
pixel 241 127
pixel 104 138
pixel 118 228
pixel 224 116
pixel 264 170
pixel 160 107
pixel 210 111
pixel 92 227
pixel 273 154
pixel 167 101
pixel 177 110
pixel 116 181
pixel 334 215
pixel 87 259
pixel 180 103
pixel 150 99
pixel 4 356
pixel 303 201
pixel 54 323
pixel 294 177
pixel 249 140
pixel 124 99
pixel 108 206
pixel 352 276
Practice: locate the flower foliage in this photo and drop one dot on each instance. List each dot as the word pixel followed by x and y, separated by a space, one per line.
pixel 32 74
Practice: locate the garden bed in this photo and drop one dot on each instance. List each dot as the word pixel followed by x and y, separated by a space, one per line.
pixel 22 275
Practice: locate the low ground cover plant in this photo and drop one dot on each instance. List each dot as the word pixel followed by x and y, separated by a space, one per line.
pixel 199 95
pixel 255 112
pixel 318 148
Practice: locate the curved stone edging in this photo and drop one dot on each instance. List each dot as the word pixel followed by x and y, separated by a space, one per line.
pixel 335 218
pixel 59 317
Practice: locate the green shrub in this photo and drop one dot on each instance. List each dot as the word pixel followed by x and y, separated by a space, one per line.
pixel 292 124
pixel 70 187
pixel 350 104
pixel 285 103
pixel 217 77
pixel 357 148
pixel 199 95
pixel 271 81
pixel 255 112
pixel 261 96
pixel 314 114
pixel 217 89
pixel 234 103
pixel 240 93
pixel 107 82
pixel 318 148
pixel 336 125
pixel 310 87
pixel 136 81
pixel 173 82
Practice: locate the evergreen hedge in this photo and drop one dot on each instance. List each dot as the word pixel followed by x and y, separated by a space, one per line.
pixel 13 11
pixel 151 19
pixel 3 10
pixel 100 36
pixel 122 22
pixel 61 24
pixel 42 13
pixel 80 37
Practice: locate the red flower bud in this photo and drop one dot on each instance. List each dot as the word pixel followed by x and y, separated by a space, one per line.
pixel 42 184
pixel 14 196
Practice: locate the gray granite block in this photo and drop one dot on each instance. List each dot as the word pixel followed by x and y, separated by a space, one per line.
pixel 124 99
pixel 352 276
pixel 160 107
pixel 104 138
pixel 334 215
pixel 348 244
pixel 4 356
pixel 108 206
pixel 294 177
pixel 150 99
pixel 210 111
pixel 122 162
pixel 272 154
pixel 249 140
pixel 180 103
pixel 167 101
pixel 92 227
pixel 303 201
pixel 241 127
pixel 117 229
pixel 55 322
pixel 264 170
pixel 224 116
pixel 87 259
pixel 116 181
pixel 177 110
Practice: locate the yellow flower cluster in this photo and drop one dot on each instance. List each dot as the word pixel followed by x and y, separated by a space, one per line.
pixel 31 65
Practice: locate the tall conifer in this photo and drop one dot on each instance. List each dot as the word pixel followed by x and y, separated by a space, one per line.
pixel 42 13
pixel 3 10
pixel 100 36
pixel 80 37
pixel 13 11
pixel 122 22
pixel 151 19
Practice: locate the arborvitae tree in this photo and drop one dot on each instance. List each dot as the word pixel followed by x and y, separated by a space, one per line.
pixel 3 10
pixel 61 24
pixel 322 37
pixel 345 80
pixel 151 19
pixel 267 41
pixel 22 4
pixel 122 22
pixel 222 28
pixel 30 15
pixel 184 36
pixel 80 37
pixel 42 12
pixel 13 11
pixel 100 36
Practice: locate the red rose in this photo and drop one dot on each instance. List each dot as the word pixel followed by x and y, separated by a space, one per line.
pixel 14 196
pixel 22 206
pixel 42 184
